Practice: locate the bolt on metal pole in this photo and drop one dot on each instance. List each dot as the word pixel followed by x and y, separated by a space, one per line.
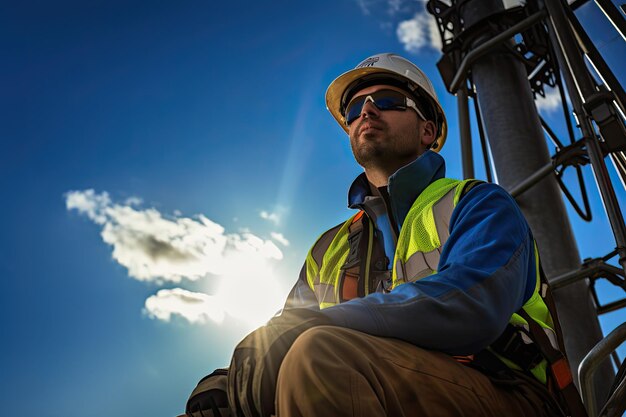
pixel 519 150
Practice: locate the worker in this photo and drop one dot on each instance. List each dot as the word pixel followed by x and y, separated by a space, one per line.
pixel 427 301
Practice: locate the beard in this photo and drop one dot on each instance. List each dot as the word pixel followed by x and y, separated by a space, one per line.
pixel 378 150
pixel 368 154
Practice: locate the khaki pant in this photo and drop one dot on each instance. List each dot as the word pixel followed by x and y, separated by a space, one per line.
pixel 333 371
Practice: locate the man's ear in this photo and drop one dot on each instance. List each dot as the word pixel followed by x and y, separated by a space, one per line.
pixel 429 132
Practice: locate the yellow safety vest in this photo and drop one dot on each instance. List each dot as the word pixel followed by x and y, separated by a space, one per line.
pixel 424 232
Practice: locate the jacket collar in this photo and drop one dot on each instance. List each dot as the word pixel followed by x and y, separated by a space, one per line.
pixel 404 186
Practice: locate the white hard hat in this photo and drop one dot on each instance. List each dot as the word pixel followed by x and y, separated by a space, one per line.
pixel 387 69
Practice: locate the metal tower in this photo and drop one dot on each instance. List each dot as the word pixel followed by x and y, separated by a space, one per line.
pixel 503 57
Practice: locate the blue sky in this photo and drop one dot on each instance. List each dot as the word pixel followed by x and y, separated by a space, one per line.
pixel 165 167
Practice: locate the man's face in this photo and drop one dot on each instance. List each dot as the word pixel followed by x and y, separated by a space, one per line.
pixel 385 139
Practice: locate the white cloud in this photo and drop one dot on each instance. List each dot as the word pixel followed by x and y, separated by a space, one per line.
pixel 251 245
pixel 167 249
pixel 414 34
pixel 155 248
pixel 134 201
pixel 248 292
pixel 551 102
pixel 280 238
pixel 88 203
pixel 276 216
pixel 419 32
pixel 193 306
pixel 272 217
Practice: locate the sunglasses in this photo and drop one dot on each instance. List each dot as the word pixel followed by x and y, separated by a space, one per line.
pixel 383 100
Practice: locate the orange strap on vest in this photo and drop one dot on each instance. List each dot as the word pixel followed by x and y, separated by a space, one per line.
pixel 349 287
pixel 558 367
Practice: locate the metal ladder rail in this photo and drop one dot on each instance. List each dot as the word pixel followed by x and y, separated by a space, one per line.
pixel 615 405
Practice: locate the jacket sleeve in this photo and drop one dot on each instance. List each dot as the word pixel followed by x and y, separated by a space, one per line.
pixel 486 272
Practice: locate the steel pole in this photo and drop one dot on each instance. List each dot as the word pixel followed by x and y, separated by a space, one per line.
pixel 519 150
pixel 465 133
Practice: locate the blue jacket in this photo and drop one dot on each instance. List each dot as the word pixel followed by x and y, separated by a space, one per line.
pixel 485 274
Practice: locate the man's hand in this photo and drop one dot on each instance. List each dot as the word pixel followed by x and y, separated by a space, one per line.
pixel 209 398
pixel 254 368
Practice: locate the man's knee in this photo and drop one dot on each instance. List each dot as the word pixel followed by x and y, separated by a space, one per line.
pixel 319 350
pixel 311 345
pixel 313 375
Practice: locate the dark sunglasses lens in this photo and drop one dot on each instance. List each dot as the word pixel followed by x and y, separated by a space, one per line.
pixel 390 102
pixel 383 100
pixel 354 109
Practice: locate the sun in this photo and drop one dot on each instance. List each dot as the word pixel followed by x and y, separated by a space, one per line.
pixel 251 292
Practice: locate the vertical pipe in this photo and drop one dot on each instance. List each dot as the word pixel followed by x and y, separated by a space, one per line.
pixel 465 133
pixel 518 148
pixel 483 141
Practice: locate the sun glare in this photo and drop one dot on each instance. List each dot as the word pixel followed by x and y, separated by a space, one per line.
pixel 251 292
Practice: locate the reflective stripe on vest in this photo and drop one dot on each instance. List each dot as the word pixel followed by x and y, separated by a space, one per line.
pixel 433 217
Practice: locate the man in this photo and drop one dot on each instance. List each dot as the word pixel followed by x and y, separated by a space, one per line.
pixel 413 305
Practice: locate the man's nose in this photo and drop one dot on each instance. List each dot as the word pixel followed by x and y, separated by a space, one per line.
pixel 370 110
